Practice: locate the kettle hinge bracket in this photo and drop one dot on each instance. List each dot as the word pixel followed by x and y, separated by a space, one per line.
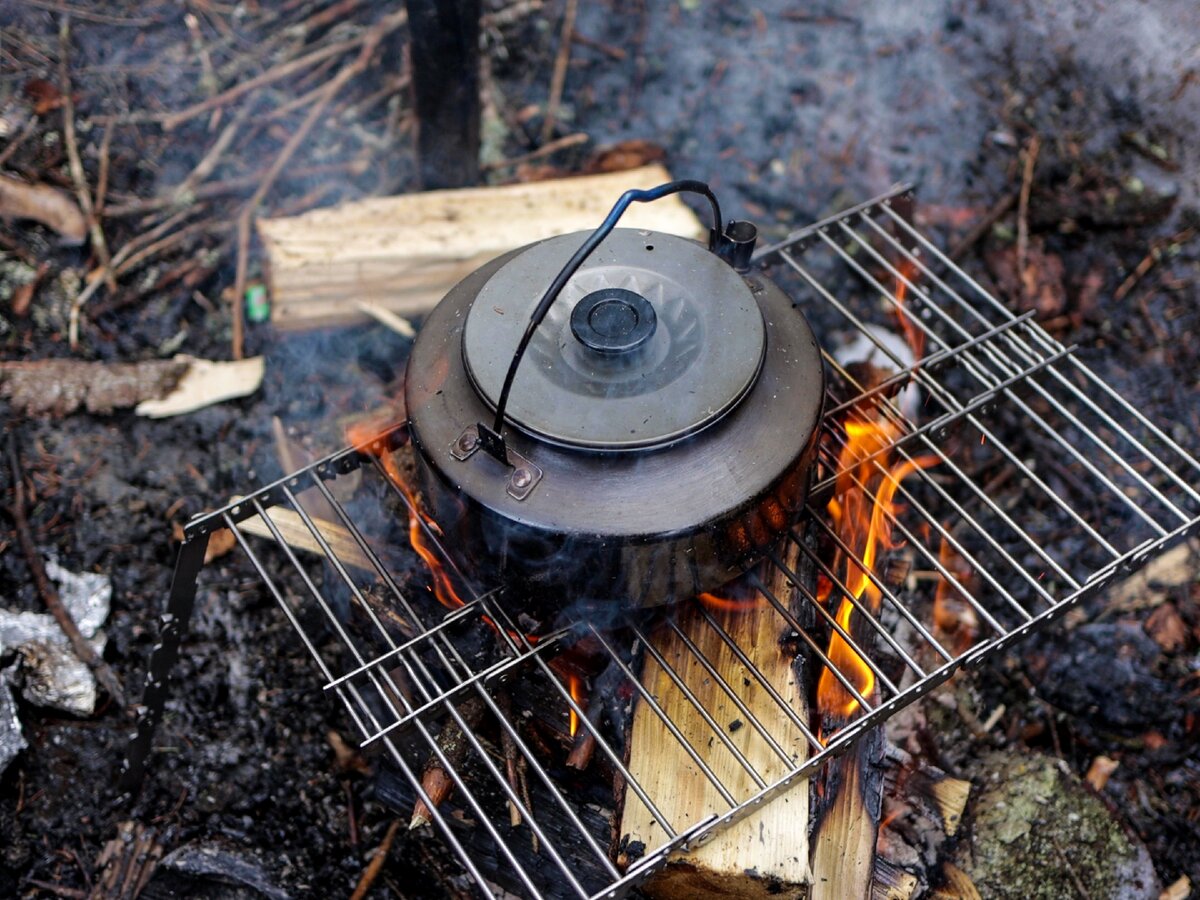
pixel 523 475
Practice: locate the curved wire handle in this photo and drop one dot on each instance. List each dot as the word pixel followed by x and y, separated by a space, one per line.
pixel 490 438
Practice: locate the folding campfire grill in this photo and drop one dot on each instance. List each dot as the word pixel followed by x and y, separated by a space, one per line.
pixel 1081 459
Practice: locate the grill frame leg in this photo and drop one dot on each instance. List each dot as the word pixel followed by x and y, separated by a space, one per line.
pixel 173 624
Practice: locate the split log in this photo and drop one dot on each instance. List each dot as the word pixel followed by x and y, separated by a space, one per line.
pixel 297 536
pixel 843 862
pixel 767 852
pixel 402 254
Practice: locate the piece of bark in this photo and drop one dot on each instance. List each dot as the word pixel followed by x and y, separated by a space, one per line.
pixel 1037 833
pixel 62 386
pixel 402 254
pixel 767 852
pixel 204 383
pixel 45 204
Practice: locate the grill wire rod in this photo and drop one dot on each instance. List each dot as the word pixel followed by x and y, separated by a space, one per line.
pixel 1015 532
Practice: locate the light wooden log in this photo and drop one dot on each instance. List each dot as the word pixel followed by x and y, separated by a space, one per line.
pixel 402 254
pixel 297 536
pixel 767 852
pixel 843 853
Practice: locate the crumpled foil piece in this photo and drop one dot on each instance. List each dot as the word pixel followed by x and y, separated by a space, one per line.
pixel 12 741
pixel 50 674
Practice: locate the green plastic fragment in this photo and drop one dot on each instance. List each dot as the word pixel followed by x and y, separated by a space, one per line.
pixel 258 305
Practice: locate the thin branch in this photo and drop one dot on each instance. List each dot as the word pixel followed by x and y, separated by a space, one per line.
pixel 559 77
pixel 84 650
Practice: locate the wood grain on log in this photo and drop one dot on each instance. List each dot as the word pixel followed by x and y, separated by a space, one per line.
pixel 768 851
pixel 404 253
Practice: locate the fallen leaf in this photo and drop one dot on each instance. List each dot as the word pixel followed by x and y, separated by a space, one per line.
pixel 44 204
pixel 22 295
pixel 1153 740
pixel 626 155
pixel 1180 889
pixel 44 95
pixel 348 758
pixel 1099 772
pixel 220 542
pixel 1167 628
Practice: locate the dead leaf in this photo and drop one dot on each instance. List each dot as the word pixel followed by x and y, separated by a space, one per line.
pixel 1039 285
pixel 42 203
pixel 626 155
pixel 1153 740
pixel 348 758
pixel 1099 772
pixel 22 295
pixel 220 542
pixel 44 95
pixel 1180 889
pixel 1167 628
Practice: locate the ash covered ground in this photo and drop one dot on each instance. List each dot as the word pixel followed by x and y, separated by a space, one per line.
pixel 790 114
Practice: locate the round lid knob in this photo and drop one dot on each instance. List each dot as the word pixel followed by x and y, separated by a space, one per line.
pixel 653 339
pixel 613 320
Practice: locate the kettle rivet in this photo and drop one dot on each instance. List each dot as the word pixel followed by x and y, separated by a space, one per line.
pixel 521 478
pixel 467 442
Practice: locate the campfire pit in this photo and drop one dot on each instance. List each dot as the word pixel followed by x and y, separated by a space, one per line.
pixel 989 539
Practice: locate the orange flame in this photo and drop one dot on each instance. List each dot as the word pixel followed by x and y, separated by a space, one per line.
pixel 735 605
pixel 862 522
pixel 361 436
pixel 574 685
pixel 913 335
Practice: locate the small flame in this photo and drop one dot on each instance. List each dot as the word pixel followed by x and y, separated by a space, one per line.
pixel 913 335
pixel 361 437
pixel 574 685
pixel 862 523
pixel 735 605
pixel 861 519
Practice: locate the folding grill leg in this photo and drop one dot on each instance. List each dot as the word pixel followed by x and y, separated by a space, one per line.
pixel 172 625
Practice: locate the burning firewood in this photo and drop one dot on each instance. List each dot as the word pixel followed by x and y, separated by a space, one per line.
pixel 453 743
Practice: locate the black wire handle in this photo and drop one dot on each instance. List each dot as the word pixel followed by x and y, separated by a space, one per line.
pixel 489 438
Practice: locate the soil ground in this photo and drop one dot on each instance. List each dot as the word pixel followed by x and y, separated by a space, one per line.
pixel 790 114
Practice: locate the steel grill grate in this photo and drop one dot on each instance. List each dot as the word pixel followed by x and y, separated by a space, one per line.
pixel 1030 519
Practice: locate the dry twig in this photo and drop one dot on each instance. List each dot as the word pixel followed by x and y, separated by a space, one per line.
pixel 370 38
pixel 369 42
pixel 570 140
pixel 376 865
pixel 74 160
pixel 559 77
pixel 16 142
pixel 1031 154
pixel 980 229
pixel 1148 261
pixel 85 651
